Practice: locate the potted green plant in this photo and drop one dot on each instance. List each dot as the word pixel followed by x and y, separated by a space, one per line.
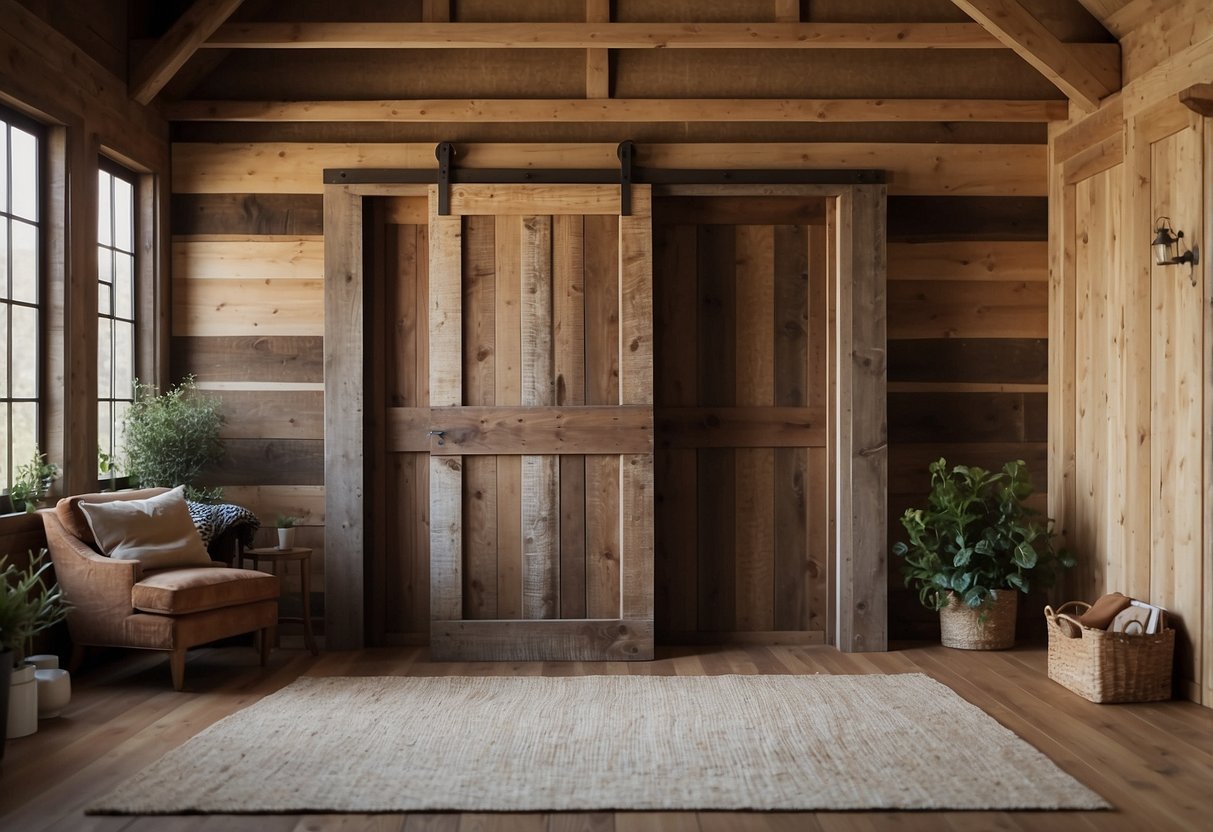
pixel 172 437
pixel 286 531
pixel 974 547
pixel 32 482
pixel 27 607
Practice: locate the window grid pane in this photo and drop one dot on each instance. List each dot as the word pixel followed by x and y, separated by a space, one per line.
pixel 20 292
pixel 116 307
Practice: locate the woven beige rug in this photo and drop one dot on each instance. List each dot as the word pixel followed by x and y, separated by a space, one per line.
pixel 393 744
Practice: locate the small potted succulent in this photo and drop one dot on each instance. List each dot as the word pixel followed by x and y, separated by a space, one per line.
pixel 286 531
pixel 974 547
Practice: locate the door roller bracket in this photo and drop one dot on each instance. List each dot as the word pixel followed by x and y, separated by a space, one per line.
pixel 445 151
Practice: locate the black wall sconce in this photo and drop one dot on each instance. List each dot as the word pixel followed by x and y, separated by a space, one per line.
pixel 1166 247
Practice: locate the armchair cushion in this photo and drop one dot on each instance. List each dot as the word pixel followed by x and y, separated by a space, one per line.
pixel 73 519
pixel 184 591
pixel 156 531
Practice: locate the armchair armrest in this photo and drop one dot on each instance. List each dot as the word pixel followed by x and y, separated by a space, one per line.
pixel 97 588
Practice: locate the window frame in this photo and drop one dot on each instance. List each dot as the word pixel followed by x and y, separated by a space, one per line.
pixel 15 119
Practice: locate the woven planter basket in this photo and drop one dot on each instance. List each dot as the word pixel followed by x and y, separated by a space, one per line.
pixel 962 626
pixel 1104 666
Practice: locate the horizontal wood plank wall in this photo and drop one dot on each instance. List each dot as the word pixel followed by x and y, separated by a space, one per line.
pixel 968 355
pixel 1133 456
pixel 740 330
pixel 248 324
pixel 967 343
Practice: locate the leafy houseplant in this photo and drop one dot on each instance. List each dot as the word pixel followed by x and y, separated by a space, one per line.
pixel 32 482
pixel 27 607
pixel 976 538
pixel 172 437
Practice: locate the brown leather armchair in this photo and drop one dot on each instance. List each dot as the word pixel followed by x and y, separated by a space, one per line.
pixel 116 603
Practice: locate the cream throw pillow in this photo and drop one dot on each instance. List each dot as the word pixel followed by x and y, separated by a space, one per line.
pixel 157 532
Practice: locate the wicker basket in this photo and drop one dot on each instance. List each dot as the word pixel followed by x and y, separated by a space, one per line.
pixel 1104 666
pixel 990 627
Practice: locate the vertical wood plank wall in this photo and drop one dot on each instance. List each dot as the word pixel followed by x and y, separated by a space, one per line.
pixel 1130 450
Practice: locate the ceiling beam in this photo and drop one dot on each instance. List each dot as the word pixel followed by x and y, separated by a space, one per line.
pixel 177 45
pixel 1198 98
pixel 622 110
pixel 1017 29
pixel 602 35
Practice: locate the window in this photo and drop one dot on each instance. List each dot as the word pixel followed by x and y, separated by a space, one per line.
pixel 115 303
pixel 20 290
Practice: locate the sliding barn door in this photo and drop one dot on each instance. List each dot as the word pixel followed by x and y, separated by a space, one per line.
pixel 541 424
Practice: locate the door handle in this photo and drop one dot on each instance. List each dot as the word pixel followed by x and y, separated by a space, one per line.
pixel 441 434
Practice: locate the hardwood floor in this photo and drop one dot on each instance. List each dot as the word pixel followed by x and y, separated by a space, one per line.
pixel 1153 762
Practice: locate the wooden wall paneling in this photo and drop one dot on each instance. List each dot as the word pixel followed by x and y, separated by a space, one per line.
pixel 790 320
pixel 597 61
pixel 568 332
pixel 252 257
pixel 272 414
pixel 820 568
pixel 1176 508
pixel 480 388
pixel 920 169
pixel 343 426
pixel 960 309
pixel 248 214
pixel 676 315
pixel 268 306
pixel 636 503
pixel 862 436
pixel 251 359
pixel 445 304
pixel 1090 476
pixel 508 385
pixel 1207 393
pixel 717 371
pixel 540 474
pixel 1134 439
pixel 753 526
pixel 970 260
pixel 833 263
pixel 602 373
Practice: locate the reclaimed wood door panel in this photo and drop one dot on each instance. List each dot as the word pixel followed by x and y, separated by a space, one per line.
pixel 540 453
pixel 741 386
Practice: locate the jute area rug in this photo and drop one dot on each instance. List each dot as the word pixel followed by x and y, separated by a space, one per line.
pixel 393 744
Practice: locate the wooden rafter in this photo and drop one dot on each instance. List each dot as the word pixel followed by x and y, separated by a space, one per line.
pixel 622 110
pixel 177 45
pixel 1017 29
pixel 1198 98
pixel 601 35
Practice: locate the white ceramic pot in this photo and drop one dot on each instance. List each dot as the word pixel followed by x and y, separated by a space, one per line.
pixel 54 691
pixel 43 661
pixel 23 702
pixel 286 538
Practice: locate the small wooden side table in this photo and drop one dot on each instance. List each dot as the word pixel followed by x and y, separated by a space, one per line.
pixel 284 556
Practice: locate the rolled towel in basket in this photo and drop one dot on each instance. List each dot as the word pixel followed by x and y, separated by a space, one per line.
pixel 1104 610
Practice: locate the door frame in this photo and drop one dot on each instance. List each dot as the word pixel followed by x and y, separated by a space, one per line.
pixel 857 421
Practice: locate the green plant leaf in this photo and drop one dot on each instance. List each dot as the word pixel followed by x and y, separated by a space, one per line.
pixel 962 558
pixel 1024 556
pixel 1016 580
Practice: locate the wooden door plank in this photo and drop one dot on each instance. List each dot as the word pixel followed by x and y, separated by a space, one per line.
pixel 479 472
pixel 791 380
pixel 508 257
pixel 676 524
pixel 753 527
pixel 636 388
pixel 445 296
pixel 568 330
pixel 716 338
pixel 534 200
pixel 819 573
pixel 603 544
pixel 591 429
pixel 602 388
pixel 540 474
pixel 520 641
